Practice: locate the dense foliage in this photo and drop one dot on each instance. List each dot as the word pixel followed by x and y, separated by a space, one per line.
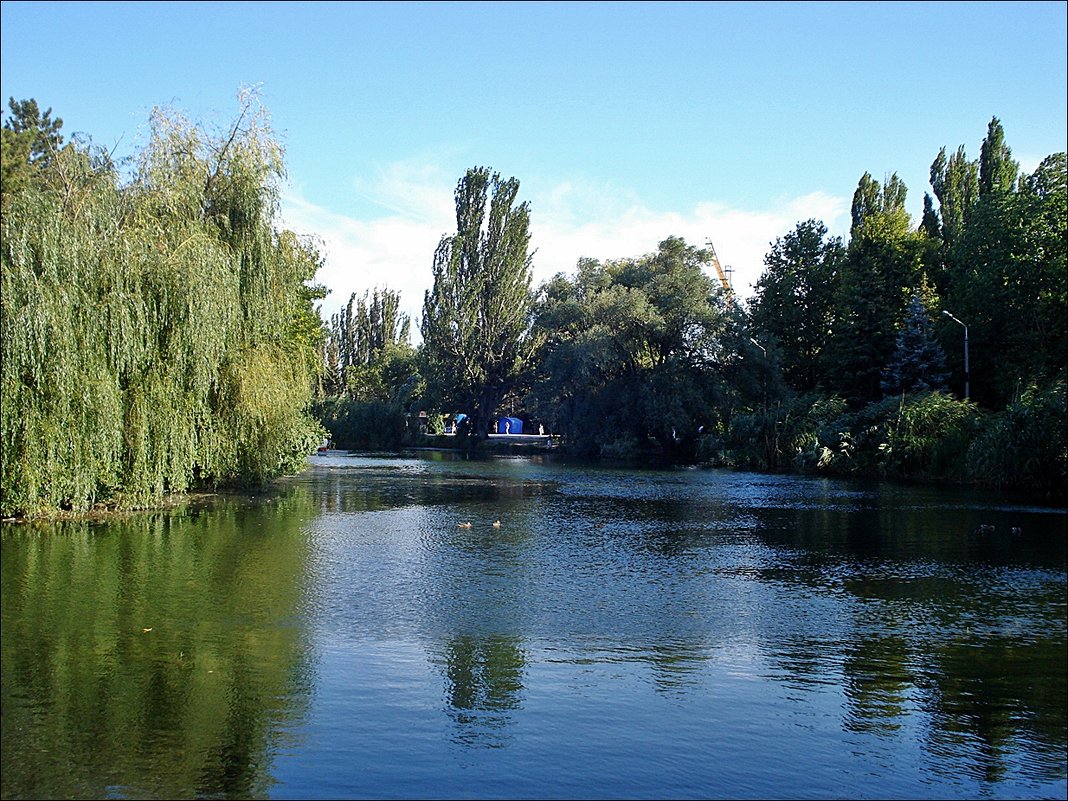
pixel 157 334
pixel 864 330
pixel 476 315
pixel 629 351
pixel 848 359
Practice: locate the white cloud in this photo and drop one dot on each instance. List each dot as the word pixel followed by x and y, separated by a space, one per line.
pixel 393 250
pixel 568 221
pixel 741 237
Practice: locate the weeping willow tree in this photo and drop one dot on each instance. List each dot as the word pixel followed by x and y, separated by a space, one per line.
pixel 158 334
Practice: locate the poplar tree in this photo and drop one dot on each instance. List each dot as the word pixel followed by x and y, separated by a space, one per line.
pixel 476 316
pixel 363 336
pixel 997 170
pixel 1007 282
pixel 955 181
pixel 930 223
pixel 882 268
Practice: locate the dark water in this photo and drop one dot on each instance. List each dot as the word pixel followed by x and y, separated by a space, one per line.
pixel 622 634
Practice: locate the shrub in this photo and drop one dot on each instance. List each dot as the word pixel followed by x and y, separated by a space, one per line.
pixel 1024 447
pixel 929 437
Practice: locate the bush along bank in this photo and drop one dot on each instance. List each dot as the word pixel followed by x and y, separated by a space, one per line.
pixel 927 436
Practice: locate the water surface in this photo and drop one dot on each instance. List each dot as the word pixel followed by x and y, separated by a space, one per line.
pixel 621 634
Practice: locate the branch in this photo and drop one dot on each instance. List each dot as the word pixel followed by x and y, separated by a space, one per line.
pixel 246 96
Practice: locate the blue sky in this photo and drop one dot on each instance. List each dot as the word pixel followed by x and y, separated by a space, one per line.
pixel 624 122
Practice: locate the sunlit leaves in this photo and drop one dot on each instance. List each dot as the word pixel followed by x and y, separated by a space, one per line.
pixel 629 350
pixel 156 335
pixel 476 315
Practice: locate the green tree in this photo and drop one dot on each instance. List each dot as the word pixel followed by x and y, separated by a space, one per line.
pixel 156 335
pixel 793 301
pixel 371 374
pixel 630 350
pixel 997 170
pixel 1008 283
pixel 476 317
pixel 365 329
pixel 956 185
pixel 867 200
pixel 1001 266
pixel 26 117
pixel 931 222
pixel 918 362
pixel 883 268
pixel 30 140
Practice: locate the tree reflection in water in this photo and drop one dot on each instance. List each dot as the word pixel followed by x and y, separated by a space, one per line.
pixel 149 657
pixel 483 686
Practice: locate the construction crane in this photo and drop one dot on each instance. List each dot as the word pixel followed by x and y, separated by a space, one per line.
pixel 719 269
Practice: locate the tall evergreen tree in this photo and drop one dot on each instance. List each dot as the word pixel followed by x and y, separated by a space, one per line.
pixel 43 131
pixel 918 362
pixel 476 317
pixel 30 140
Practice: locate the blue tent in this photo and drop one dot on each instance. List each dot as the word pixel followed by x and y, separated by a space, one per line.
pixel 509 425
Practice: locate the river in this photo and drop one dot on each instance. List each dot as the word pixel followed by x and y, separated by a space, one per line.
pixel 621 633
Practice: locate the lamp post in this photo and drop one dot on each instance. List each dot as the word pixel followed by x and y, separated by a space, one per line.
pixel 954 319
pixel 763 374
pixel 769 453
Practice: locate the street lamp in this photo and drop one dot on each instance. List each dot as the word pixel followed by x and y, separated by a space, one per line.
pixel 954 319
pixel 769 452
pixel 763 374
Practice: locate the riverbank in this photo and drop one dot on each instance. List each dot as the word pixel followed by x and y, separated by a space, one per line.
pixel 176 502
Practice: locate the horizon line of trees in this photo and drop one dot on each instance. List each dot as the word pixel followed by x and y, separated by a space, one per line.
pixel 841 362
pixel 159 332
